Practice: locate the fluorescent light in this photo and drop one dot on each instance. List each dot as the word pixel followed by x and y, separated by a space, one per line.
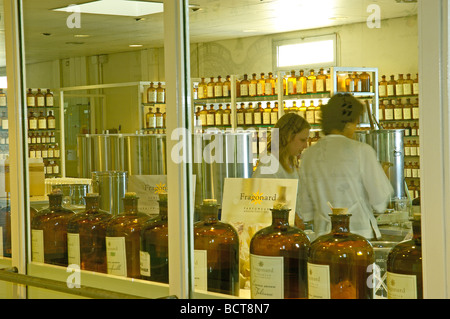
pixel 116 7
pixel 135 45
pixel 306 53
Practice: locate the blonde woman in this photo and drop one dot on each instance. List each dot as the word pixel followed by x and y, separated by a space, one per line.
pixel 284 150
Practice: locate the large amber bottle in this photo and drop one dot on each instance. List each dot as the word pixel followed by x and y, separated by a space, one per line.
pixel 216 252
pixel 86 233
pixel 278 259
pixel 404 267
pixel 291 85
pixel 5 226
pixel 301 83
pixel 154 254
pixel 340 263
pixel 243 86
pixel 123 239
pixel 202 89
pixel 49 232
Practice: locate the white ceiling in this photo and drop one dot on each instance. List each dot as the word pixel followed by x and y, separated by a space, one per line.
pixel 216 20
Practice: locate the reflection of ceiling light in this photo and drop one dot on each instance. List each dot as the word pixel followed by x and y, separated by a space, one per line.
pixel 74 42
pixel 135 45
pixel 338 18
pixel 81 35
pixel 116 7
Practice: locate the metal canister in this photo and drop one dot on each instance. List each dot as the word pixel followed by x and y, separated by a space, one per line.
pixel 111 186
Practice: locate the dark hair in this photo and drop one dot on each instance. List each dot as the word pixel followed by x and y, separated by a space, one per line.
pixel 340 110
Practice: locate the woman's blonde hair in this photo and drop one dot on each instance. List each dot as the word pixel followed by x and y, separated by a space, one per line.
pixel 288 126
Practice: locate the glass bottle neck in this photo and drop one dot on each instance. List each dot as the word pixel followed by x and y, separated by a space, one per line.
pixel 417 233
pixel 340 223
pixel 280 217
pixel 55 201
pixel 163 210
pixel 130 205
pixel 92 204
pixel 210 214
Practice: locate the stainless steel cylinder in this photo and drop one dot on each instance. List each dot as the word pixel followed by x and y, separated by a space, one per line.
pixel 111 186
pixel 145 154
pixel 388 145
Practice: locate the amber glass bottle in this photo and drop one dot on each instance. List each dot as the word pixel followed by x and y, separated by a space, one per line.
pixel 151 94
pixel 86 233
pixel 240 115
pixel 154 254
pixel 211 116
pixel 274 114
pixel 226 119
pixel 321 82
pixel 216 252
pixel 311 82
pixel 5 225
pixel 391 86
pixel 210 88
pixel 269 86
pixel 202 89
pixel 160 94
pixel 301 83
pixel 365 82
pixel 218 87
pixel 339 263
pixel 278 259
pixel 31 99
pixel 404 267
pixel 49 98
pixel 123 239
pixel 258 114
pixel 291 85
pixel 243 86
pixel 40 98
pixel 252 87
pixel 399 85
pixel 382 87
pixel 49 232
pixel 408 85
pixel 267 114
pixel 226 88
pixel 219 116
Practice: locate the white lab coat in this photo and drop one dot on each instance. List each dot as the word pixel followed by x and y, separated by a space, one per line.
pixel 270 161
pixel 345 173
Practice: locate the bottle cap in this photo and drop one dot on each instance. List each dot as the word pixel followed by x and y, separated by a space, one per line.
pixel 162 196
pixel 130 195
pixel 210 202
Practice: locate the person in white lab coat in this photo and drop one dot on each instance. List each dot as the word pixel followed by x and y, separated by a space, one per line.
pixel 343 172
pixel 284 148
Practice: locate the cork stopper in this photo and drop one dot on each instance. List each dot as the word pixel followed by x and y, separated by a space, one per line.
pixel 130 195
pixel 162 196
pixel 339 211
pixel 56 192
pixel 210 202
pixel 90 195
pixel 281 203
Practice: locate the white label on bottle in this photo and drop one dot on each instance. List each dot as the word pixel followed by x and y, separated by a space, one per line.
pixel 200 269
pixel 44 153
pixel 210 91
pixel 116 256
pixel 240 118
pixel 401 286
pixel 210 119
pixel 406 113
pixel 201 93
pixel 388 114
pixel 268 88
pixel 398 113
pixel 415 113
pixel 382 90
pixel 37 245
pixel 225 91
pixel 390 90
pixel 310 116
pixel 5 124
pixel 260 88
pixel 359 88
pixel 42 124
pixel 51 123
pixel 266 277
pixel 218 119
pixel 413 150
pixel 291 87
pixel 257 118
pixel 49 101
pixel 399 89
pixel 249 118
pixel 73 249
pixel 38 153
pixel 202 119
pixel 144 261
pixel 244 89
pixel 218 91
pixel 407 172
pixel 160 97
pixel 318 281
pixel 415 173
pixel 380 115
pixel 56 169
pixel 328 84
pixel 407 89
pixel 416 88
pixel 32 154
pixel 49 169
pixel 266 118
pixel 273 118
pixel 225 119
pixel 310 86
pixel 159 121
pixel 2 100
pixel 56 153
pixel 33 124
pixel 40 101
pixel 319 86
pixel 30 101
pixel 407 150
pixel 252 89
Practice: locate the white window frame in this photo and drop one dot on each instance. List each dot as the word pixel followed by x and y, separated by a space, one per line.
pixel 278 43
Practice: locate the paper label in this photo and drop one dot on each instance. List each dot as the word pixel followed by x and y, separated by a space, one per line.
pixel 382 90
pixel 257 118
pixel 260 88
pixel 407 89
pixel 210 119
pixel 30 101
pixel 240 118
pixel 116 256
pixel 49 101
pixel 252 89
pixel 416 88
pixel 148 188
pixel 244 89
pixel 268 89
pixel 390 90
pixel 218 91
pixel 37 245
pixel 291 87
pixel 310 86
pixel 319 86
pixel 266 277
pixel 318 281
pixel 406 113
pixel 388 114
pixel 73 248
pixel 401 286
pixel 200 269
pixel 273 118
pixel 144 258
pixel 225 119
pixel 399 89
pixel 249 118
pixel 218 118
pixel 266 118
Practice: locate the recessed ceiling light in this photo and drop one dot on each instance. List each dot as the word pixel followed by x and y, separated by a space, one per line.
pixel 81 35
pixel 135 45
pixel 116 7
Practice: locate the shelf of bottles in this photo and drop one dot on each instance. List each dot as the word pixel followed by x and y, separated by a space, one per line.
pixel 4 136
pixel 43 130
pixel 154 109
pixel 255 103
pixel 399 109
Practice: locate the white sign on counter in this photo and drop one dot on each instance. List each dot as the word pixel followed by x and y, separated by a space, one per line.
pixel 148 188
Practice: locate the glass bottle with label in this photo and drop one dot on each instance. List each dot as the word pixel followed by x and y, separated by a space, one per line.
pixel 391 86
pixel 211 116
pixel 321 82
pixel 252 87
pixel 216 252
pixel 404 267
pixel 389 111
pixel 203 116
pixel 398 110
pixel 408 85
pixel 278 257
pixel 407 110
pixel 274 114
pixel 40 98
pixel 310 110
pixel 243 86
pixel 381 109
pixel 151 94
pixel 32 122
pixel 356 81
pixel 415 110
pixel 340 263
pixel 294 107
pixel 123 239
pixel 219 116
pixel 154 253
pixel 291 84
pixel 349 83
pixel 226 117
pixel 86 233
pixel 416 85
pixel 248 117
pixel 202 89
pixel 318 113
pixel 267 114
pixel 5 226
pixel 4 119
pixel 399 85
pixel 260 86
pixel 49 100
pixel 240 115
pixel 160 94
pixel 269 85
pixel 302 109
pixel 226 87
pixel 218 87
pixel 210 88
pixel 2 98
pixel 49 232
pixel 31 100
pixel 51 121
pixel 382 87
pixel 150 119
pixel 301 83
pixel 365 81
pixel 283 84
pixel 258 114
pixel 159 118
pixel 311 82
pixel 42 121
